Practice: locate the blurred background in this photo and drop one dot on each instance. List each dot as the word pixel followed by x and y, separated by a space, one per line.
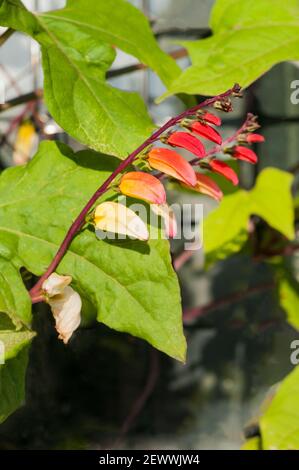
pixel 109 390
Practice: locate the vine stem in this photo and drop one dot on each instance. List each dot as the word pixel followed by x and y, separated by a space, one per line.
pixel 6 35
pixel 194 313
pixel 80 220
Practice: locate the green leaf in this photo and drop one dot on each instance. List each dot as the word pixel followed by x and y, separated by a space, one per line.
pixel 254 443
pixel 248 39
pixel 272 200
pixel 12 372
pixel 288 291
pixel 280 423
pixel 226 228
pixel 77 52
pixel 15 15
pixel 119 23
pixel 14 298
pixel 131 283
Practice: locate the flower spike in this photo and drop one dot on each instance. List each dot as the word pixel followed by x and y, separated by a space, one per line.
pixel 143 186
pixel 188 142
pixel 206 131
pixel 173 164
pixel 218 166
pixel 117 218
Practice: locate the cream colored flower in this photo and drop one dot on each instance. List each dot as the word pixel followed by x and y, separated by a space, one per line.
pixel 66 308
pixel 117 218
pixel 55 284
pixel 65 304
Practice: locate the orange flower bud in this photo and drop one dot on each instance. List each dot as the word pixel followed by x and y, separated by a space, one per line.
pixel 173 164
pixel 207 186
pixel 143 186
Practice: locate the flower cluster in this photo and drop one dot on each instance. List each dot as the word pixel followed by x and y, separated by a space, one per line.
pixel 116 218
pixel 188 131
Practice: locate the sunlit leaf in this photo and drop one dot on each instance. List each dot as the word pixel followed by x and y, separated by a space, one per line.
pixel 288 292
pixel 280 423
pixel 248 39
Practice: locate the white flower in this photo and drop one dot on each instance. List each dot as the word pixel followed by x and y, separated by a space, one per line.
pixel 65 304
pixel 55 284
pixel 117 218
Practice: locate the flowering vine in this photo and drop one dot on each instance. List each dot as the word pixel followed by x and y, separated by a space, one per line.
pixel 156 153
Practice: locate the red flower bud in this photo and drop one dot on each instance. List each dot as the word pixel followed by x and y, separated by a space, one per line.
pixel 211 118
pixel 243 153
pixel 207 132
pixel 173 164
pixel 252 138
pixel 218 166
pixel 188 142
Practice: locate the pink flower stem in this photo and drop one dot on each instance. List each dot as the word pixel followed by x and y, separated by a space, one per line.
pixel 80 220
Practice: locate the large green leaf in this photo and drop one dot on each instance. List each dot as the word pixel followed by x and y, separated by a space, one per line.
pixel 78 48
pixel 131 283
pixel 226 228
pixel 12 372
pixel 248 39
pixel 280 423
pixel 14 298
